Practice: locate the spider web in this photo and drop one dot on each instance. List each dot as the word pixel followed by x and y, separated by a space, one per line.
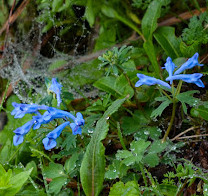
pixel 26 62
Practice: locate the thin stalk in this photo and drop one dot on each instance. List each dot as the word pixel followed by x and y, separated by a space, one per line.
pixel 44 178
pixel 171 122
pixel 178 88
pixel 121 136
pixel 143 174
pixel 16 151
pixel 181 189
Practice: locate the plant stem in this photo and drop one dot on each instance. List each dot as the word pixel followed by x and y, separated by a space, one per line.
pixel 143 174
pixel 15 152
pixel 171 122
pixel 120 136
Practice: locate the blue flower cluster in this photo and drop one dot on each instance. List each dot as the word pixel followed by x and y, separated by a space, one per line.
pixel 50 114
pixel 170 68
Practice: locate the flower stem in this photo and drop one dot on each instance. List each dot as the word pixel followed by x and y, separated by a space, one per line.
pixel 120 136
pixel 171 122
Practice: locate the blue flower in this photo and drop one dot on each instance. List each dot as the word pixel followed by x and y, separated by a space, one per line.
pixel 21 132
pixel 169 66
pixel 21 109
pixel 143 79
pixel 189 78
pixel 189 64
pixel 50 141
pixel 76 126
pixel 53 113
pixel 56 88
pixel 38 121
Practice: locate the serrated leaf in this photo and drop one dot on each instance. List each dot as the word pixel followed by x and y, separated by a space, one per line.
pixel 122 154
pixel 187 98
pixel 165 36
pixel 158 111
pixel 139 147
pixel 151 159
pixel 116 170
pixel 157 147
pixel 93 165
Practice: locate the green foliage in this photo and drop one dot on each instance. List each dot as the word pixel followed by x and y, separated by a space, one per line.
pixel 149 21
pixel 140 154
pixel 165 36
pixel 128 189
pixel 11 183
pixel 118 87
pixel 187 98
pixel 196 33
pixel 200 110
pixel 93 164
pixel 57 174
pixel 115 60
pixel 165 103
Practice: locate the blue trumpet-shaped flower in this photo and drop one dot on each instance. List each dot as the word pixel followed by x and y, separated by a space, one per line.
pixel 56 88
pixel 53 113
pixel 147 80
pixel 50 141
pixel 21 109
pixel 189 64
pixel 169 66
pixel 21 132
pixel 78 122
pixel 189 78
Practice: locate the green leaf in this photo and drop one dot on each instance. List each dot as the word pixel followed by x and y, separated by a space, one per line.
pixel 122 154
pixel 200 111
pixel 116 170
pixel 15 183
pixel 93 165
pixel 118 87
pixel 137 151
pixel 57 64
pixel 205 190
pixel 168 190
pixel 56 184
pixel 149 21
pixel 32 165
pixel 151 159
pixel 158 111
pixel 89 13
pixel 157 147
pixel 54 170
pixel 187 98
pixel 129 189
pixel 70 163
pixel 150 51
pixel 135 123
pixel 165 36
pixel 56 5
